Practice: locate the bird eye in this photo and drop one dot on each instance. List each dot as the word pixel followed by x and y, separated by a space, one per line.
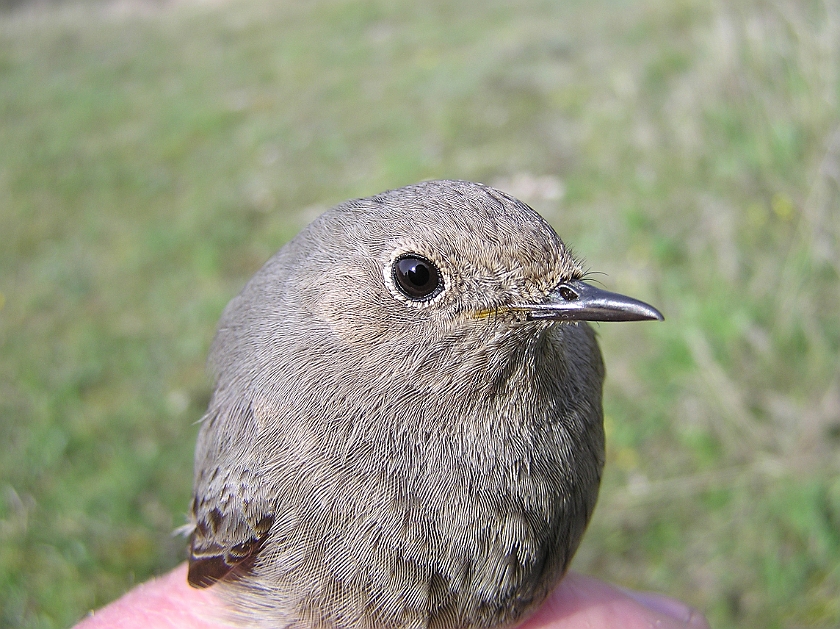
pixel 416 277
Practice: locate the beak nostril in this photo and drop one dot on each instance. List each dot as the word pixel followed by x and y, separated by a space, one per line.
pixel 575 300
pixel 567 293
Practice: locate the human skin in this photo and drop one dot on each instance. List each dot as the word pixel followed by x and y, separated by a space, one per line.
pixel 579 601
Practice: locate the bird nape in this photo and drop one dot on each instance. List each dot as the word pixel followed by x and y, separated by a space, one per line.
pixel 406 428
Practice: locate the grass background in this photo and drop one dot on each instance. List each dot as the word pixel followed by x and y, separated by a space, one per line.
pixel 154 154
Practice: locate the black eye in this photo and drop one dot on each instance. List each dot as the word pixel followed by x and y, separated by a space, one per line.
pixel 417 277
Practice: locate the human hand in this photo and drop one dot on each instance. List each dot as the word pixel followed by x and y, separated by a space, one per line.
pixel 579 601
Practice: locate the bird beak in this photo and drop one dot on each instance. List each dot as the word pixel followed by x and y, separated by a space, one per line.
pixel 578 301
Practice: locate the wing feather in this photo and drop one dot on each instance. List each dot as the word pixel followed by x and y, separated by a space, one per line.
pixel 230 521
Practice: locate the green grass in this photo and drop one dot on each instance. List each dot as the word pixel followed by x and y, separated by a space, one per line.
pixel 153 155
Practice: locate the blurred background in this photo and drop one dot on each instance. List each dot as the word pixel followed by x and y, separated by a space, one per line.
pixel 154 154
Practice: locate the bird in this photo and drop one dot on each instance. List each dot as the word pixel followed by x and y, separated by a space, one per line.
pixel 406 426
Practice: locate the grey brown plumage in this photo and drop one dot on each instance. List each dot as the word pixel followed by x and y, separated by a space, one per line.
pixel 393 455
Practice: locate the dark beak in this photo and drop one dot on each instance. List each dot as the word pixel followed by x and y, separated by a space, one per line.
pixel 578 301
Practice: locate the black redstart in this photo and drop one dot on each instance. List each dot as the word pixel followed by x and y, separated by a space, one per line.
pixel 406 427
